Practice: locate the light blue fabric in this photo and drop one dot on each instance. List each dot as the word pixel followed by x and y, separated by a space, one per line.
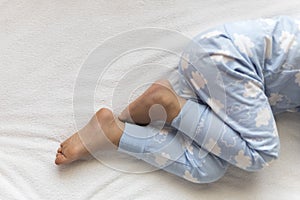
pixel 242 74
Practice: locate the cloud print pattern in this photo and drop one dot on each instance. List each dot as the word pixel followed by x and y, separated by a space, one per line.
pixel 242 74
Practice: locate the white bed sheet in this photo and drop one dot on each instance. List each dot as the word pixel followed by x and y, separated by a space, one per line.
pixel 42 47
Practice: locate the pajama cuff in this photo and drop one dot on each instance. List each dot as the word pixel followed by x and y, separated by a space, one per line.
pixel 134 139
pixel 187 121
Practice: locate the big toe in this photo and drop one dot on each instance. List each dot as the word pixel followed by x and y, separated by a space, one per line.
pixel 61 159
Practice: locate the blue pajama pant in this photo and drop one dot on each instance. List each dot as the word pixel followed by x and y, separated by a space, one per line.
pixel 231 97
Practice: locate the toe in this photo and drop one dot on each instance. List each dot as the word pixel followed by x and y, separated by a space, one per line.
pixel 59 150
pixel 61 159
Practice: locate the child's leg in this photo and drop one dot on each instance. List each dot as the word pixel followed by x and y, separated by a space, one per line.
pixel 170 150
pixel 165 149
pixel 245 137
pixel 104 129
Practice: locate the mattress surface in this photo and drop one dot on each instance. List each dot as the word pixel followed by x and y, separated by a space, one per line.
pixel 43 45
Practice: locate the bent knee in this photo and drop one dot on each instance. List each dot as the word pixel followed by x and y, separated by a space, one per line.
pixel 266 156
pixel 211 174
pixel 265 161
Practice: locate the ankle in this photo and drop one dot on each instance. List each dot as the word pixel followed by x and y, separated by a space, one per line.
pixel 174 108
pixel 114 130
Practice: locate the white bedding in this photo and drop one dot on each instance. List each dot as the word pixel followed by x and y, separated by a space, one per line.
pixel 42 47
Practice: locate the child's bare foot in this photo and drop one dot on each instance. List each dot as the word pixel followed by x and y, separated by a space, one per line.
pixel 103 131
pixel 162 93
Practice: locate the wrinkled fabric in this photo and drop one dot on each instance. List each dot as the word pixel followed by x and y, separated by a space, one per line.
pixel 235 78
